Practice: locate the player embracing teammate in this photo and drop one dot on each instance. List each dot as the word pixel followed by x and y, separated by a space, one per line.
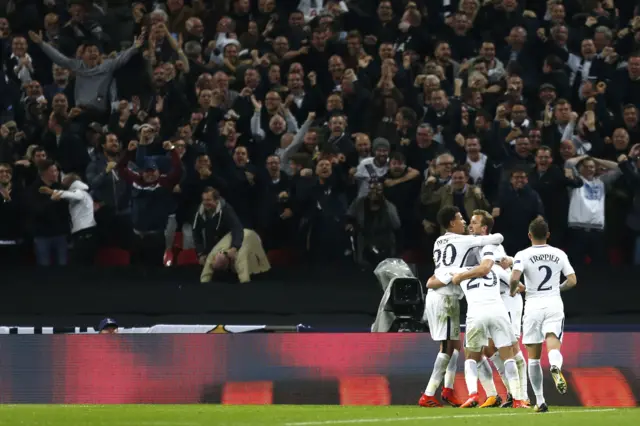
pixel 494 315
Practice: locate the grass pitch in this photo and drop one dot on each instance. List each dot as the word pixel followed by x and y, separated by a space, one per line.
pixel 287 415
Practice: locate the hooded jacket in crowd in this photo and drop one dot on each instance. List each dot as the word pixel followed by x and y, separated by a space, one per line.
pixel 211 227
pixel 80 206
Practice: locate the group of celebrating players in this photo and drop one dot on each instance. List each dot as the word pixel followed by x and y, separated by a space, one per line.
pixel 474 265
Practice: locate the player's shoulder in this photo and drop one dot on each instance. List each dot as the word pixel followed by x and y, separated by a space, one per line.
pixel 501 273
pixel 491 249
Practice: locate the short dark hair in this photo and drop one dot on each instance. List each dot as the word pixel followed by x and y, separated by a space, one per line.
pixel 446 215
pixel 354 34
pixel 409 115
pixel 45 165
pixel 554 62
pixel 7 166
pixel 461 168
pixel 539 229
pixel 487 219
pixel 398 156
pixel 302 159
pixel 518 169
pixel 211 190
pixel 38 148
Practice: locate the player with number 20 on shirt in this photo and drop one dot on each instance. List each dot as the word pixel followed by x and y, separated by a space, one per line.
pixel 542 266
pixel 442 305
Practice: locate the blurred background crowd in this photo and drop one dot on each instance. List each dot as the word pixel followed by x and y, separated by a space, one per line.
pixel 155 132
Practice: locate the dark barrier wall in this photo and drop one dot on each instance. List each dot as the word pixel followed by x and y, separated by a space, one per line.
pixel 270 369
pixel 318 297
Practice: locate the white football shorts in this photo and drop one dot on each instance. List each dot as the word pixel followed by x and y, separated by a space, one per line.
pixel 442 313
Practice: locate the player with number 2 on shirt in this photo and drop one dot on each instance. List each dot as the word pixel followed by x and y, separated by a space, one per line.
pixel 442 305
pixel 542 265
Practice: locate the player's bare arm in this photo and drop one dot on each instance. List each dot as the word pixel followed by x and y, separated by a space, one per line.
pixel 514 282
pixel 434 283
pixel 479 271
pixel 569 283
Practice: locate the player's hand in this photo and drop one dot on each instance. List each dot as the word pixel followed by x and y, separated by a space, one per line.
pixel 457 278
pixel 521 288
pixel 506 263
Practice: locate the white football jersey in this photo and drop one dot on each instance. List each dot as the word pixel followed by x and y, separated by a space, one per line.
pixel 481 293
pixel 541 267
pixel 497 253
pixel 455 250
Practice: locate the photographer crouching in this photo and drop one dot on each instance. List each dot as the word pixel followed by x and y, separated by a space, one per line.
pixel 222 243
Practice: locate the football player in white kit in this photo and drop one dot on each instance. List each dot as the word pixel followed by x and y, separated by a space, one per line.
pixel 481 224
pixel 487 318
pixel 542 265
pixel 442 306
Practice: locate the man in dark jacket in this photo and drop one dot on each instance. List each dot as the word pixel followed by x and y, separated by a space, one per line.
pixel 111 193
pixel 214 220
pixel 49 219
pixel 551 184
pixel 150 199
pixel 517 205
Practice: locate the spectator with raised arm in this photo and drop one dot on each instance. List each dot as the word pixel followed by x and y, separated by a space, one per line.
pixel 150 198
pixel 587 208
pixel 93 74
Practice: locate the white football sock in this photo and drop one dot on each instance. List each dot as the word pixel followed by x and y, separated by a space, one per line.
pixel 555 358
pixel 471 376
pixel 521 363
pixel 439 368
pixel 452 368
pixel 499 364
pixel 535 376
pixel 511 372
pixel 486 377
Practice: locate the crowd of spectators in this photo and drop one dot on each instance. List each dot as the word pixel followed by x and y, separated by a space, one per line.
pixel 335 129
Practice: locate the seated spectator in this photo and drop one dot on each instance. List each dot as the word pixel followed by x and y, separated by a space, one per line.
pixel 222 243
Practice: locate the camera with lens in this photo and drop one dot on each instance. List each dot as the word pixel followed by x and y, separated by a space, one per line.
pixel 402 306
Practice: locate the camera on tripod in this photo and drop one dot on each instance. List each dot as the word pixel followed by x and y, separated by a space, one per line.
pixel 402 306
